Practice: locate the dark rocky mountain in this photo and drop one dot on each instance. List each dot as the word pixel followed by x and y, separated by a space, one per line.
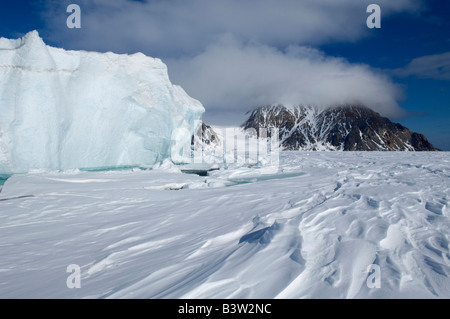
pixel 346 127
pixel 205 135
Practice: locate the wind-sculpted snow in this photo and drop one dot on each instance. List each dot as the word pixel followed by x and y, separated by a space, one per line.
pixel 310 231
pixel 74 109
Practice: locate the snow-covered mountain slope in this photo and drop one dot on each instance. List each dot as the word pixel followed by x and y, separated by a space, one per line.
pixel 310 231
pixel 74 109
pixel 347 128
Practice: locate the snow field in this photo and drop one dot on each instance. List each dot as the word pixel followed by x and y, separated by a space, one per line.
pixel 310 231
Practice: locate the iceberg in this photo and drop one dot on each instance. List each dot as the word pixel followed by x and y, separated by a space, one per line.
pixel 76 109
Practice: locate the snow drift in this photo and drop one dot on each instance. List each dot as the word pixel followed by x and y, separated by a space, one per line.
pixel 75 109
pixel 310 231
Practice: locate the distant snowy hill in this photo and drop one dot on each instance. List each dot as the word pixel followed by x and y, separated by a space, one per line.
pixel 347 128
pixel 74 109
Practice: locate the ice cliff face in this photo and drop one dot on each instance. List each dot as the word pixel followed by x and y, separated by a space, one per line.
pixel 74 109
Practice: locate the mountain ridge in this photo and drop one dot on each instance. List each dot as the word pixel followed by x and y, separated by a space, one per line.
pixel 340 128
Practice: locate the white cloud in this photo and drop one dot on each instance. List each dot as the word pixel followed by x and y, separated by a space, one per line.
pixel 232 76
pixel 162 27
pixel 435 66
pixel 233 55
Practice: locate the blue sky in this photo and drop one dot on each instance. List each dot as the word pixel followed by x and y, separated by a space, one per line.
pixel 401 39
pixel 235 55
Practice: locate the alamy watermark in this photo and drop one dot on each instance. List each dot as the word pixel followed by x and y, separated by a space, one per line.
pixel 374 19
pixel 236 146
pixel 74 19
pixel 374 276
pixel 74 279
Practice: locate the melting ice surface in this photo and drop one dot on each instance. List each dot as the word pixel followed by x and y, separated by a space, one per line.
pixel 74 109
pixel 164 234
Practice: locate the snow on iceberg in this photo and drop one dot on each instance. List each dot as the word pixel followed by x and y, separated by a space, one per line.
pixel 75 109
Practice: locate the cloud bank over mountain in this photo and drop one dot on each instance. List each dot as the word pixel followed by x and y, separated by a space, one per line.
pixel 235 55
pixel 232 75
